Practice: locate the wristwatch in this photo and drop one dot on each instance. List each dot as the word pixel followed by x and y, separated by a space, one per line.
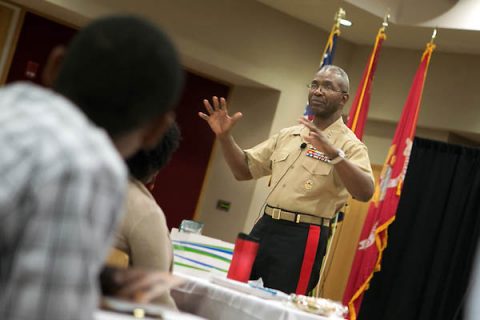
pixel 340 157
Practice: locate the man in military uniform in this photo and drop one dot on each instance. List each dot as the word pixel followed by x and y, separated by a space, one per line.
pixel 314 166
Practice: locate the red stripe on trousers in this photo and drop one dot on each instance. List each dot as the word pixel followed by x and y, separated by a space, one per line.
pixel 311 246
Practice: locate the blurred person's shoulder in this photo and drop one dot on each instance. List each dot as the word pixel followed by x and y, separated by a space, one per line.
pixel 53 133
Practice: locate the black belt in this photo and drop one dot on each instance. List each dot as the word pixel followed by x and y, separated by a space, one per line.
pixel 281 214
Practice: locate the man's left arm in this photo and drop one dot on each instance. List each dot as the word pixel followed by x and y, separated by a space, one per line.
pixel 358 182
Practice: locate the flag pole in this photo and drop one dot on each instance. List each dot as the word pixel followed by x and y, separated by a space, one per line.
pixel 329 50
pixel 428 51
pixel 381 35
pixel 434 35
pixel 386 19
pixel 340 16
pixel 335 31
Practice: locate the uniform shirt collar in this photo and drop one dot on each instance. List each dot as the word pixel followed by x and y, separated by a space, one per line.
pixel 331 131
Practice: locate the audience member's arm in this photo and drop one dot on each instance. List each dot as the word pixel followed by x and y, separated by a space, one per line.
pixel 136 284
pixel 150 246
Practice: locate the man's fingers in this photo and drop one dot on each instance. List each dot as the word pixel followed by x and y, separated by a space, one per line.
pixel 313 135
pixel 151 288
pixel 146 288
pixel 223 104
pixel 208 106
pixel 132 286
pixel 123 276
pixel 215 102
pixel 216 105
pixel 203 116
pixel 237 116
pixel 307 124
pixel 152 294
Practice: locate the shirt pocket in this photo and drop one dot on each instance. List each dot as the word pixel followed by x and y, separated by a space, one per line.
pixel 279 165
pixel 316 167
pixel 314 177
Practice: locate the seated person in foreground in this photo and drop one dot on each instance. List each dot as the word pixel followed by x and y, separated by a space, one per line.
pixel 63 178
pixel 144 234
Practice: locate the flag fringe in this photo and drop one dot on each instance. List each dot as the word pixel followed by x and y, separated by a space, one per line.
pixel 381 246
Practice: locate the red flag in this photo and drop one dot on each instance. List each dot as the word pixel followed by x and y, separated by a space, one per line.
pixel 359 110
pixel 382 210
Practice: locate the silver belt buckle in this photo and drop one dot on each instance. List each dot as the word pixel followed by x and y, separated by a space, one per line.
pixel 276 213
pixel 297 219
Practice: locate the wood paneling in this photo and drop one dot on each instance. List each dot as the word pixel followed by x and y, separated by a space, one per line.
pixel 38 37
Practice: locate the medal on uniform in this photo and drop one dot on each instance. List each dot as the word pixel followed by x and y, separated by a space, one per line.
pixel 308 184
pixel 312 152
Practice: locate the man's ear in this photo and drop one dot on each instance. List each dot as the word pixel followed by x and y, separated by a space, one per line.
pixel 154 131
pixel 345 98
pixel 52 67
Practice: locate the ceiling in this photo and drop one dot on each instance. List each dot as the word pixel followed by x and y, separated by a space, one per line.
pixel 411 21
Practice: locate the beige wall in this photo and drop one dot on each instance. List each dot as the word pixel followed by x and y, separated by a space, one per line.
pixel 450 94
pixel 268 57
pixel 257 105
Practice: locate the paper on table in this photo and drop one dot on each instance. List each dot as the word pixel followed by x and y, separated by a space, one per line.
pixel 249 288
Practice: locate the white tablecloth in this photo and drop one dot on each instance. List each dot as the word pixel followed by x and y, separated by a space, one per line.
pixel 107 315
pixel 166 315
pixel 201 297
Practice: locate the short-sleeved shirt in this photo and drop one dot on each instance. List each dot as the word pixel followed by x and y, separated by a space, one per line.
pixel 62 190
pixel 304 184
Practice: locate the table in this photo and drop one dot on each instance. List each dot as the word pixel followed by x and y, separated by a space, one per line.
pixel 201 297
pixel 108 315
pixel 167 314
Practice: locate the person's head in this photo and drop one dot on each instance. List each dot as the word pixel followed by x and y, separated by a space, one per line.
pixel 145 164
pixel 124 74
pixel 329 91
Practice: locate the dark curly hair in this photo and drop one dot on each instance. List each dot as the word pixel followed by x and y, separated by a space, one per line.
pixel 144 164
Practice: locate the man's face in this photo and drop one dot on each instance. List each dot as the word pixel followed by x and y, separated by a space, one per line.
pixel 326 95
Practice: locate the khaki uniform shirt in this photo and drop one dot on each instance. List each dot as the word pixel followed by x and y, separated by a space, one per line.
pixel 304 184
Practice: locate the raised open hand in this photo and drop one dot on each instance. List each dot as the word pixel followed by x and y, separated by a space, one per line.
pixel 218 118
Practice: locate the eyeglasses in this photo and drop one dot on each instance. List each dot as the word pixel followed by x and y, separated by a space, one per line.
pixel 325 87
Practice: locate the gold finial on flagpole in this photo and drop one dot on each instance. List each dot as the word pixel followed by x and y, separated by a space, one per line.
pixel 340 18
pixel 339 15
pixel 386 19
pixel 434 35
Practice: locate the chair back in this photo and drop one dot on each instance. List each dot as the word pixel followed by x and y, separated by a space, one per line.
pixel 117 258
